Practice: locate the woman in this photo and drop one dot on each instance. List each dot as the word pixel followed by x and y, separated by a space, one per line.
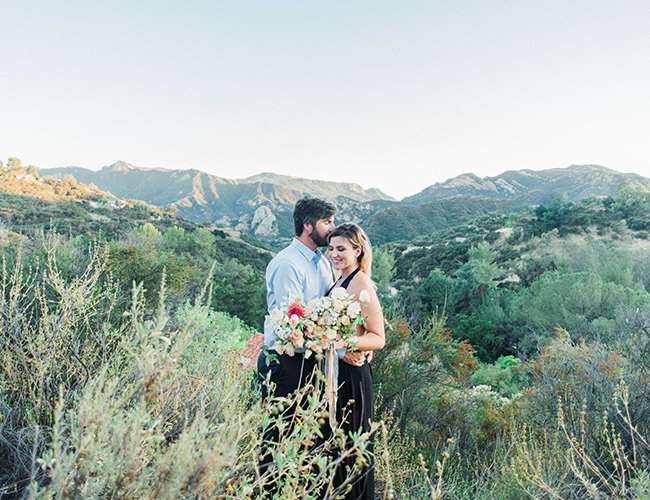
pixel 351 254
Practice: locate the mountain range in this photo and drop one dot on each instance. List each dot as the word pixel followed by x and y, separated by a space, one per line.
pixel 574 182
pixel 261 205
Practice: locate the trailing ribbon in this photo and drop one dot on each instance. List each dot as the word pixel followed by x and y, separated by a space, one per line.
pixel 331 370
pixel 331 386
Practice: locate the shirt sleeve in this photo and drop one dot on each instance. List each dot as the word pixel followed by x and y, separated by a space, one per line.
pixel 331 279
pixel 286 283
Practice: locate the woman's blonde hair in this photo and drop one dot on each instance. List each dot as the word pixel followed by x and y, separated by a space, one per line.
pixel 358 239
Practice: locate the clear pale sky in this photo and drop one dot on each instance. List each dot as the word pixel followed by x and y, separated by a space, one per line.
pixel 394 95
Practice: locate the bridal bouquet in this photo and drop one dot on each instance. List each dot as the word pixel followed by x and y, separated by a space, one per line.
pixel 318 325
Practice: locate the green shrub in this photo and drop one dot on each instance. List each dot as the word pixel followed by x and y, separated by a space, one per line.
pixel 507 376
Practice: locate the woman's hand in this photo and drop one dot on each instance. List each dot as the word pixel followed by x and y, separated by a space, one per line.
pixel 340 344
pixel 355 358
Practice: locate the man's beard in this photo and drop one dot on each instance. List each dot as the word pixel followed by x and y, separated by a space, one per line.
pixel 319 241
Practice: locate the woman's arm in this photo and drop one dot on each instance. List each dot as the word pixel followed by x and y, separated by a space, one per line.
pixel 372 337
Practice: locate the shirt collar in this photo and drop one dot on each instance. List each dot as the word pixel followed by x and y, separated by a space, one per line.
pixel 309 254
pixel 317 257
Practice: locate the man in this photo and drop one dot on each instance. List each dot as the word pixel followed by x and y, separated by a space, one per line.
pixel 298 271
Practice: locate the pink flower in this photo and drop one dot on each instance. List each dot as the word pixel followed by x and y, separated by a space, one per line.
pixel 297 339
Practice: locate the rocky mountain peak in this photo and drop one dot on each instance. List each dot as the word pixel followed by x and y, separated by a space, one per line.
pixel 119 166
pixel 321 188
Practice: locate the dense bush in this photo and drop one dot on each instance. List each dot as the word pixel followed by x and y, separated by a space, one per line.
pixel 127 398
pixel 507 376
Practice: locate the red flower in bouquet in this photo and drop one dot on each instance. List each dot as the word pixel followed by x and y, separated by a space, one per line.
pixel 296 309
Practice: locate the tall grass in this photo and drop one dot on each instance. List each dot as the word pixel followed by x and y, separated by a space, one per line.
pixel 110 398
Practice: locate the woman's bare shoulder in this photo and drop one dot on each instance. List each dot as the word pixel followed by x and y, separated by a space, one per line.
pixel 361 282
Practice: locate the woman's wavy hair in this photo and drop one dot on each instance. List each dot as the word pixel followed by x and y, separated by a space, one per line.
pixel 358 239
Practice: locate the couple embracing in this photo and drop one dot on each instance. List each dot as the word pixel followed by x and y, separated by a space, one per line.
pixel 302 271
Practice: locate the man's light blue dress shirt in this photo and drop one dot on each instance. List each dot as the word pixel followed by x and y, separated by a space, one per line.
pixel 294 272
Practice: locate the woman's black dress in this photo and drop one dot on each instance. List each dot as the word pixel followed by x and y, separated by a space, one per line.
pixel 355 410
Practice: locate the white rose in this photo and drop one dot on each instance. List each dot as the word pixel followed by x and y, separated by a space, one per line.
pixel 338 293
pixel 313 304
pixel 364 296
pixel 276 315
pixel 330 334
pixel 354 310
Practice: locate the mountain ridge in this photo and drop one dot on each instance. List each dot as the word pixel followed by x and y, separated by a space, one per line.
pixel 261 205
pixel 511 184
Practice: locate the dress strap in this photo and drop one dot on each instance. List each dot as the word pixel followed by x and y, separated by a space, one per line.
pixel 347 280
pixel 331 288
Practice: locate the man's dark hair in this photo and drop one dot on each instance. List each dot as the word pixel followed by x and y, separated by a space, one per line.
pixel 310 210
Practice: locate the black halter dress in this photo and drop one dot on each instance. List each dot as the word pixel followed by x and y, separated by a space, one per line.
pixel 355 410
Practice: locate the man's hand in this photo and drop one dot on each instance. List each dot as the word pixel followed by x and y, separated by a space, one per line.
pixel 355 358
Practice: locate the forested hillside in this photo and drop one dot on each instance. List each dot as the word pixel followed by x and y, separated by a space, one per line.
pixel 526 338
pixel 141 241
pixel 496 277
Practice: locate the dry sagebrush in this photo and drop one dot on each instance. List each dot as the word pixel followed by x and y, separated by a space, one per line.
pixel 112 398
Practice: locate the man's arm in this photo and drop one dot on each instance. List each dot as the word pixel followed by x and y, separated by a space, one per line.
pixel 287 284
